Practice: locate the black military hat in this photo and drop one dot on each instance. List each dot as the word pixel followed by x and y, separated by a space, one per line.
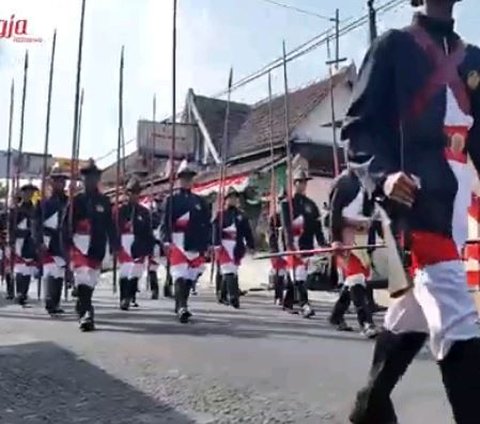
pixel 134 185
pixel 301 175
pixel 231 192
pixel 57 172
pixel 185 169
pixel 90 169
pixel 28 187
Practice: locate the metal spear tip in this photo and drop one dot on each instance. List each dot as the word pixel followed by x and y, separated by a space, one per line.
pixel 26 59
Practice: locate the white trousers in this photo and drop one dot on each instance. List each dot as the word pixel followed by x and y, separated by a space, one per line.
pixel 439 304
pixel 55 269
pixel 87 276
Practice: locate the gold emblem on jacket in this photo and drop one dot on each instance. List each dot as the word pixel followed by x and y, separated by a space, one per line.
pixel 473 80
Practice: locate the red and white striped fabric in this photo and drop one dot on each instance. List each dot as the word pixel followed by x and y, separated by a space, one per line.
pixel 237 182
pixel 472 251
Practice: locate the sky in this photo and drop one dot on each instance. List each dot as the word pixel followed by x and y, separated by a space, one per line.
pixel 213 35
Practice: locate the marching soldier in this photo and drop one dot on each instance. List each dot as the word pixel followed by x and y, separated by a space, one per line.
pixel 155 259
pixel 87 234
pixel 418 94
pixel 229 243
pixel 350 220
pixel 136 243
pixel 185 234
pixel 301 232
pixel 49 218
pixel 6 255
pixel 22 221
pixel 278 271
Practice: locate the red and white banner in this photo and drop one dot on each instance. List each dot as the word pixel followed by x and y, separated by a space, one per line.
pixel 238 182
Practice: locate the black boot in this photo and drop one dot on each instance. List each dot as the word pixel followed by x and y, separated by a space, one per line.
pixel 182 291
pixel 392 355
pixel 133 283
pixel 289 298
pixel 233 292
pixel 374 307
pixel 124 294
pixel 57 295
pixel 278 287
pixel 358 294
pixel 23 285
pixel 10 287
pixel 153 278
pixel 302 291
pixel 337 317
pixel 461 378
pixel 168 286
pixel 49 295
pixel 86 312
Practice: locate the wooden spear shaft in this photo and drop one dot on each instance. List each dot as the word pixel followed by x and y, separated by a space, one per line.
pixel 45 151
pixel 169 282
pixel 119 164
pixel 9 164
pixel 75 140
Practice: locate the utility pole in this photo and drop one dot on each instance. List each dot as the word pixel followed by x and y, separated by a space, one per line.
pixel 337 38
pixel 372 20
pixel 335 62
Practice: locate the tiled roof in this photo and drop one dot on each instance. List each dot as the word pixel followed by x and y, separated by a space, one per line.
pixel 213 115
pixel 254 133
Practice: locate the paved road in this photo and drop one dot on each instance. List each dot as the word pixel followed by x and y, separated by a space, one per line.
pixel 255 365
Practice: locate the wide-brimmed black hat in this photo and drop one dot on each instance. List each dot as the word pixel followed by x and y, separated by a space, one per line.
pixel 28 187
pixel 134 185
pixel 301 175
pixel 231 192
pixel 90 169
pixel 185 169
pixel 57 172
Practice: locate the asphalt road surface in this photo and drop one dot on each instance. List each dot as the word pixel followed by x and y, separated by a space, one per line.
pixel 255 365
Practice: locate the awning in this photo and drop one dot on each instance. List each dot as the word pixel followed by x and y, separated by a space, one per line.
pixel 238 182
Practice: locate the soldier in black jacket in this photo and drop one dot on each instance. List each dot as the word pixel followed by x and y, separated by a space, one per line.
pixel 416 102
pixel 22 221
pixel 351 214
pixel 301 231
pixel 5 254
pixel 276 243
pixel 232 236
pixel 88 226
pixel 48 231
pixel 185 234
pixel 155 259
pixel 137 243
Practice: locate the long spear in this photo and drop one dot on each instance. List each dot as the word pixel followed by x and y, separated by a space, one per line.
pixel 19 163
pixel 45 147
pixel 169 282
pixel 75 135
pixel 119 157
pixel 79 126
pixel 221 191
pixel 288 151
pixel 273 183
pixel 9 164
pixel 19 169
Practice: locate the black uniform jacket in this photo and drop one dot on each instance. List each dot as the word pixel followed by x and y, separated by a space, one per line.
pixel 135 218
pixel 276 238
pixel 22 227
pixel 93 212
pixel 312 226
pixel 347 192
pixel 46 209
pixel 234 216
pixel 197 231
pixel 396 118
